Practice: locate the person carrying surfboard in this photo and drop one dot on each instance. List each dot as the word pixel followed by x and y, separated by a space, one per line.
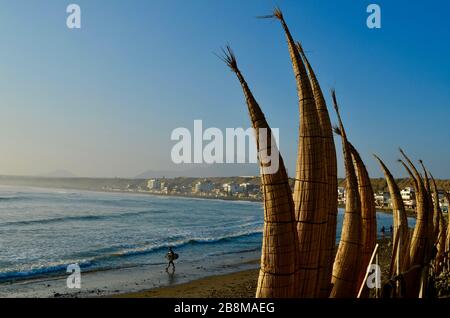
pixel 171 256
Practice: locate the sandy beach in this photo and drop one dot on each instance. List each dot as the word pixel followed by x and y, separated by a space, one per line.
pixel 234 279
pixel 240 284
pixel 216 249
pixel 235 285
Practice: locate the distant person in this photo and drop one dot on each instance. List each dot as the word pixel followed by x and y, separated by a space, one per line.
pixel 171 256
pixel 383 230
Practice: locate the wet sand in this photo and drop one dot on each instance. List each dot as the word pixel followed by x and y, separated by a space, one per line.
pixel 235 285
pixel 240 284
pixel 132 280
pixel 234 279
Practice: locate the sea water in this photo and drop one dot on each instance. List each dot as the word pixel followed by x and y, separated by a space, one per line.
pixel 42 231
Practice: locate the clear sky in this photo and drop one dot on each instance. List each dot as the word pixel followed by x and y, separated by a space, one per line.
pixel 103 100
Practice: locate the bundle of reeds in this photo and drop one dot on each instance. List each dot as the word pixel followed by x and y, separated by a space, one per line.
pixel 440 235
pixel 280 244
pixel 447 227
pixel 311 185
pixel 347 264
pixel 400 222
pixel 433 226
pixel 329 243
pixel 299 229
pixel 368 212
pixel 420 240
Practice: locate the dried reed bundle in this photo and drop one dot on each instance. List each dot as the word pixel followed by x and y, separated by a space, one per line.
pixel 447 240
pixel 280 243
pixel 311 187
pixel 327 257
pixel 368 211
pixel 433 227
pixel 347 264
pixel 440 236
pixel 420 240
pixel 400 224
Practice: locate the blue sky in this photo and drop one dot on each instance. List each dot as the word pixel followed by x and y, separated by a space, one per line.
pixel 103 100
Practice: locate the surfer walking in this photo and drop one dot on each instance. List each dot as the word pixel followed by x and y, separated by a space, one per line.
pixel 171 256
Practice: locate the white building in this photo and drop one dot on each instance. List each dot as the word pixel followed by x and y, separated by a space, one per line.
pixel 231 188
pixel 445 205
pixel 408 197
pixel 341 195
pixel 154 184
pixel 442 200
pixel 383 199
pixel 203 186
pixel 248 187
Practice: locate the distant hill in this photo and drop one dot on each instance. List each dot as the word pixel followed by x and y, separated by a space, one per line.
pixel 149 174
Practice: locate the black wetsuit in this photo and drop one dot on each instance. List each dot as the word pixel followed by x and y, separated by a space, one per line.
pixel 171 257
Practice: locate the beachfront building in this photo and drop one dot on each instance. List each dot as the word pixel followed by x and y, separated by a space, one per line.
pixel 445 205
pixel 154 184
pixel 408 197
pixel 442 200
pixel 341 195
pixel 383 199
pixel 204 186
pixel 231 188
pixel 249 187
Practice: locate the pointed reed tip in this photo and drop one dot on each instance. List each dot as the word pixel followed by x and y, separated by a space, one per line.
pixel 227 55
pixel 276 14
pixel 404 155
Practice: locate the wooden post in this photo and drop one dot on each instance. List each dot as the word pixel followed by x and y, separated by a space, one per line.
pixel 375 250
pixel 376 278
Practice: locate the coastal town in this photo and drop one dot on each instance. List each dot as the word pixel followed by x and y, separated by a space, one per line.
pixel 246 188
pixel 207 188
pixel 250 190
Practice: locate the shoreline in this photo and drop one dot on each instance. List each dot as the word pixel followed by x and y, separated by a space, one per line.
pixel 409 213
pixel 143 193
pixel 128 280
pixel 241 284
pixel 145 276
pixel 238 284
pixel 234 277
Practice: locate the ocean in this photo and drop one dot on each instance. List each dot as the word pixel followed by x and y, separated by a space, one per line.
pixel 42 231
